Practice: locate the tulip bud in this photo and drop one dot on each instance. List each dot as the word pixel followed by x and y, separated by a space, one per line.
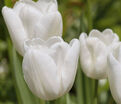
pixel 50 66
pixel 29 19
pixel 114 73
pixel 94 51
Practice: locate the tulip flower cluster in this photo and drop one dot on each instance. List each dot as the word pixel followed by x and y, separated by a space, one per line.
pixel 49 63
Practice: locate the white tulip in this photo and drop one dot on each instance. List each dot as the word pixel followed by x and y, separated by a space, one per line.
pixel 50 66
pixel 29 19
pixel 114 74
pixel 94 50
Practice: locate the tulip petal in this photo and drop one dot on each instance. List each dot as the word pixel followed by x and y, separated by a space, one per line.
pixel 40 25
pixel 43 5
pixel 15 27
pixel 85 56
pixel 33 43
pixel 99 56
pixel 61 49
pixel 96 33
pixel 30 17
pixel 53 40
pixel 110 36
pixel 18 6
pixel 119 54
pixel 107 36
pixel 70 65
pixel 114 76
pixel 53 24
pixel 41 75
pixel 47 5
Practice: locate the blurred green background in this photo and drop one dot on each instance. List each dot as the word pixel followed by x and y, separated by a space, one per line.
pixel 78 16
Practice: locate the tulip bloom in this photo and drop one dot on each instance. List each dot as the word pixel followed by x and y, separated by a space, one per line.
pixel 114 74
pixel 29 19
pixel 94 51
pixel 50 66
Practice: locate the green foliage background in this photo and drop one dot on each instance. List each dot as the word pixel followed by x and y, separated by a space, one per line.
pixel 78 16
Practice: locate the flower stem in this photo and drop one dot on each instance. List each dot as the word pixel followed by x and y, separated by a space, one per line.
pixel 96 93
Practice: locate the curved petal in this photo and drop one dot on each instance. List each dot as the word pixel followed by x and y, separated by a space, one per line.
pixel 99 56
pixel 61 49
pixel 85 56
pixel 69 68
pixel 33 43
pixel 53 40
pixel 40 25
pixel 114 76
pixel 53 25
pixel 30 17
pixel 110 36
pixel 96 34
pixel 107 36
pixel 40 73
pixel 43 6
pixel 18 6
pixel 47 5
pixel 16 29
pixel 119 55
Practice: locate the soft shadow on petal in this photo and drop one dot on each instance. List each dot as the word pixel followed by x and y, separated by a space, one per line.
pixel 53 24
pixel 40 25
pixel 99 53
pixel 16 29
pixel 40 73
pixel 70 64
pixel 18 6
pixel 31 43
pixel 110 37
pixel 30 17
pixel 85 56
pixel 114 77
pixel 47 5
pixel 61 49
pixel 53 40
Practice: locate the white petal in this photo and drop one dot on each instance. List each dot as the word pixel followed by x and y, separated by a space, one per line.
pixel 18 6
pixel 96 33
pixel 15 28
pixel 99 53
pixel 43 6
pixel 53 40
pixel 61 49
pixel 85 56
pixel 110 36
pixel 33 43
pixel 119 55
pixel 114 76
pixel 107 36
pixel 52 24
pixel 41 75
pixel 30 17
pixel 39 25
pixel 47 5
pixel 70 65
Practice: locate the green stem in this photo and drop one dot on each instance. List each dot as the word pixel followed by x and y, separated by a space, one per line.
pixel 80 86
pixel 96 92
pixel 47 102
